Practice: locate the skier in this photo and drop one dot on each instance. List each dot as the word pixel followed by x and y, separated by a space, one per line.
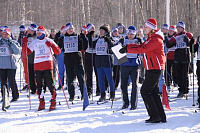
pixel 103 61
pixel 130 68
pixel 170 67
pixel 116 67
pixel 60 59
pixel 8 66
pixel 71 44
pixel 164 30
pixel 182 41
pixel 141 66
pixel 89 62
pixel 28 60
pixel 197 49
pixel 22 34
pixel 154 62
pixel 43 65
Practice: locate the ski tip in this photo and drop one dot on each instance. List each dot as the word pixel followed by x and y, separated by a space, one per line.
pixel 59 103
pixel 123 112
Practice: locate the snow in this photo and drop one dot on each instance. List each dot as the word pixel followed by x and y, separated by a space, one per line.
pixel 182 117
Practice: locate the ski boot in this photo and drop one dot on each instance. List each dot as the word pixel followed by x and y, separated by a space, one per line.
pixel 53 102
pixel 112 95
pixel 103 97
pixel 42 103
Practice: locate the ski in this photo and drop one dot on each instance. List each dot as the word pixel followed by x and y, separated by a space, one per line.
pixel 106 101
pixel 171 99
pixel 102 102
pixel 6 103
pixel 117 110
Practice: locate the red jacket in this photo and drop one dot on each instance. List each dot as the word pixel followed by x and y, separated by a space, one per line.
pixel 153 49
pixel 46 64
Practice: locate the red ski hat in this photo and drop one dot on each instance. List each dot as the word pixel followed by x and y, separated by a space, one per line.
pixel 172 28
pixel 63 28
pixel 7 31
pixel 84 28
pixel 152 23
pixel 41 29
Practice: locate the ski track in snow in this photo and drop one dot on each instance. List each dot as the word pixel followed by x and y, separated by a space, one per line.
pixel 96 118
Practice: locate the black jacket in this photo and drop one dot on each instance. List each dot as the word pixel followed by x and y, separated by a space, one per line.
pixel 103 60
pixel 75 58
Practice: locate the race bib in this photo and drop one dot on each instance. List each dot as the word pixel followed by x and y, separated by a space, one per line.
pixel 134 41
pixel 101 47
pixel 179 42
pixel 71 44
pixel 4 51
pixel 42 53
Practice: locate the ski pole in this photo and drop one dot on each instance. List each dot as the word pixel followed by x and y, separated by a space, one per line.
pixel 54 60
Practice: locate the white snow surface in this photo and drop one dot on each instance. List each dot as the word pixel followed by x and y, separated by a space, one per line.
pixel 182 118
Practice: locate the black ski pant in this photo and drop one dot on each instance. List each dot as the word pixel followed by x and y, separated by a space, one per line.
pixel 149 92
pixel 198 79
pixel 132 72
pixel 182 77
pixel 32 77
pixel 116 74
pixel 9 74
pixel 89 64
pixel 47 77
pixel 171 73
pixel 70 71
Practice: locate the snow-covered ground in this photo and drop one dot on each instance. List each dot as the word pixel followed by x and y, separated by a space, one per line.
pixel 96 118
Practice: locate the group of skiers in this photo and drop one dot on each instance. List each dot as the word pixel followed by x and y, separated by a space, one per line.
pixel 164 52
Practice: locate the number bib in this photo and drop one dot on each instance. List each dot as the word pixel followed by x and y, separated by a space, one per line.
pixel 4 51
pixel 134 41
pixel 172 48
pixel 42 52
pixel 101 47
pixel 70 44
pixel 180 44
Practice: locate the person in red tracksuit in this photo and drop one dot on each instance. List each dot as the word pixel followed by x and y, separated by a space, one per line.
pixel 43 65
pixel 154 63
pixel 170 74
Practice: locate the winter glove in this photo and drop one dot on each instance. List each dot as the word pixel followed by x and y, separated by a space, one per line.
pixel 91 33
pixel 185 39
pixel 107 39
pixel 192 41
pixel 166 39
pixel 9 41
pixel 123 49
pixel 82 35
pixel 49 44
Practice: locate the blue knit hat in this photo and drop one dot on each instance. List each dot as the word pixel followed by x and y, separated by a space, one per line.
pixel 131 30
pixel 33 27
pixel 165 26
pixel 114 29
pixel 69 26
pixel 22 28
pixel 89 26
pixel 181 24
